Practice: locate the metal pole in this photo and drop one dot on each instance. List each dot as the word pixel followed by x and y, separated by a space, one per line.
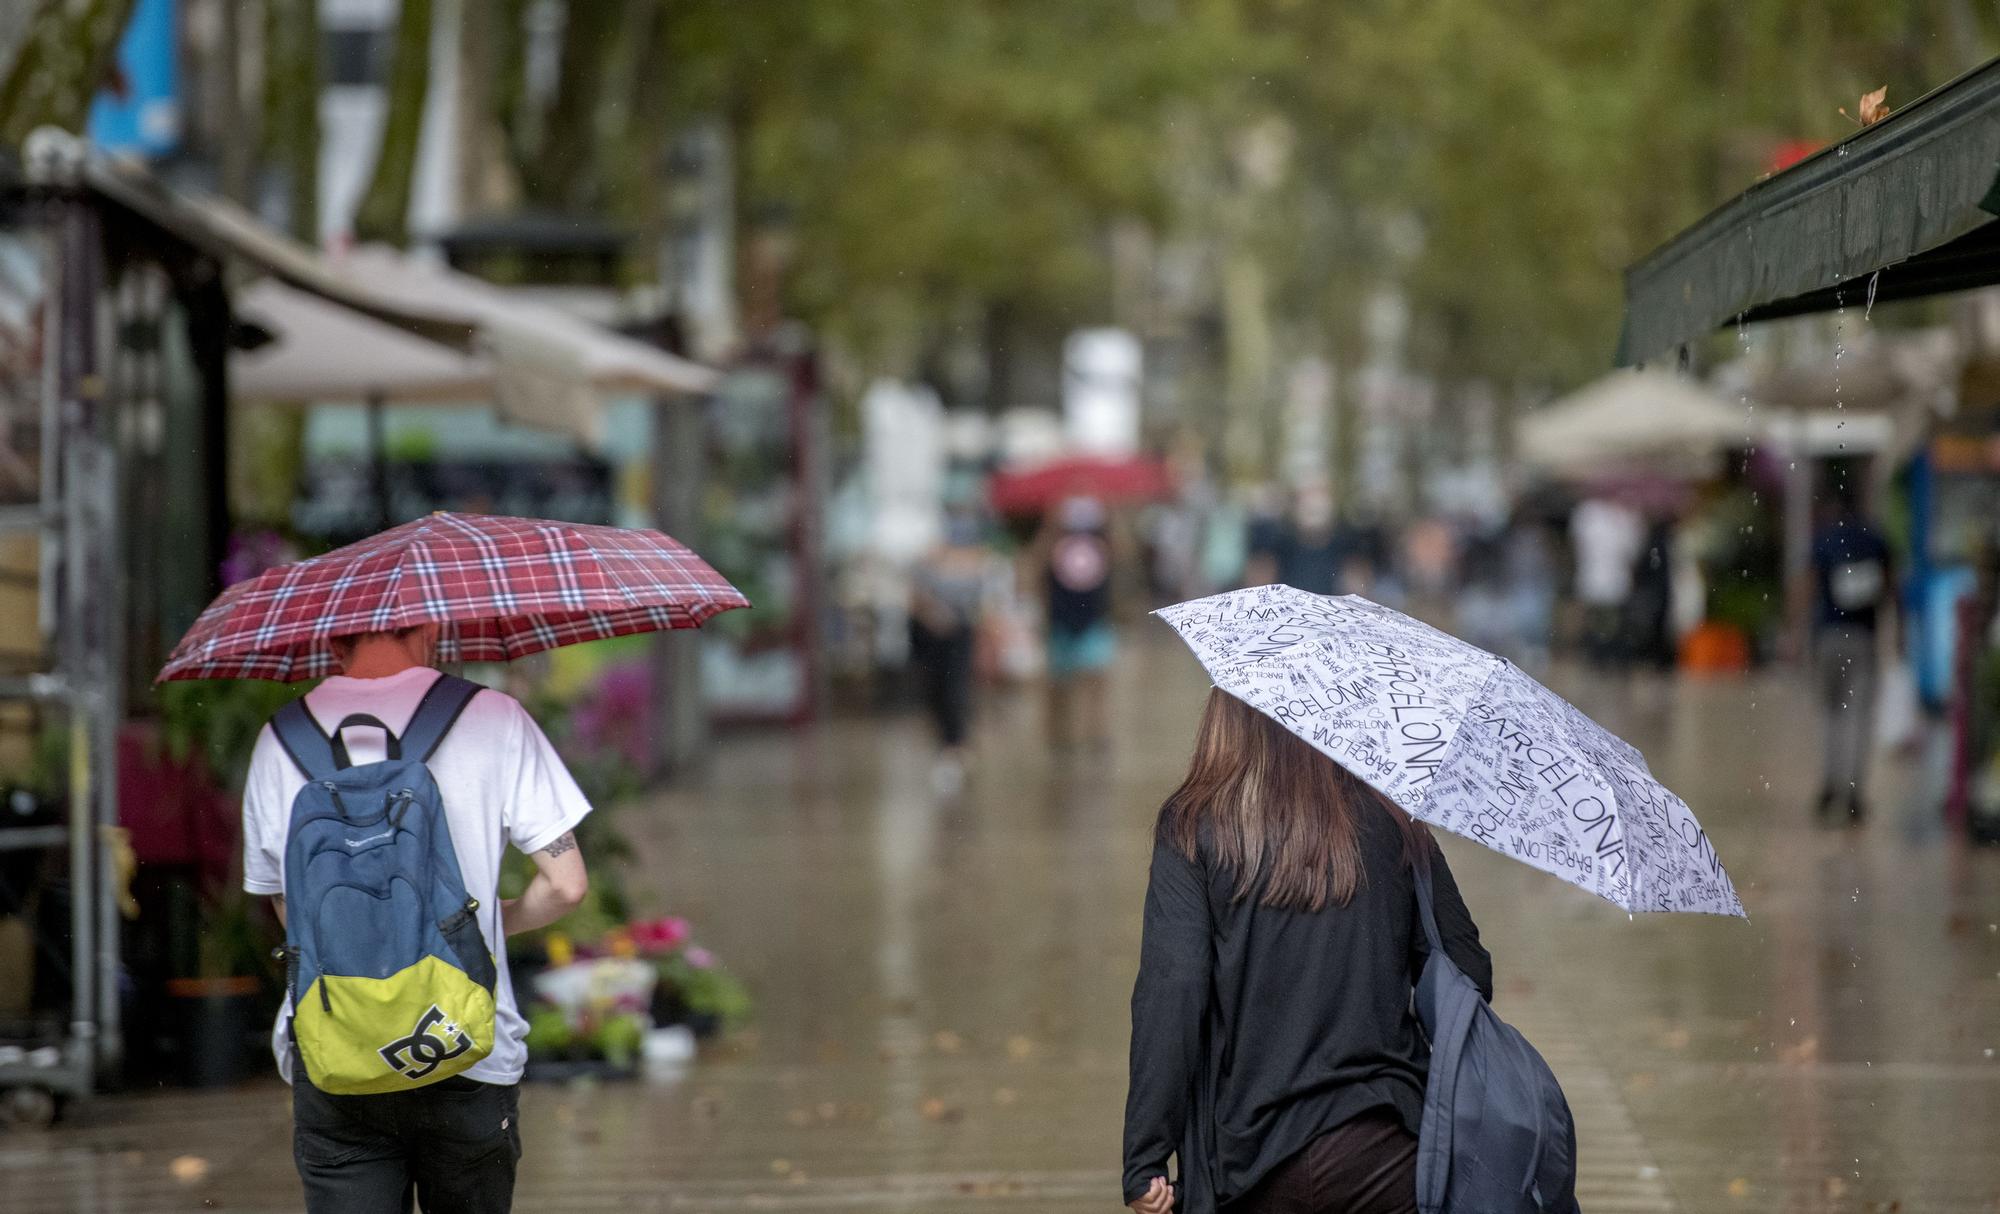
pixel 107 592
pixel 74 323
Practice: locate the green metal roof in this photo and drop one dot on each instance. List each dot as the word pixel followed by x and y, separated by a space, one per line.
pixel 1898 210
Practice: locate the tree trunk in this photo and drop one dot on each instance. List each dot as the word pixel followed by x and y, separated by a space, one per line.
pixel 384 213
pixel 636 183
pixel 62 60
pixel 563 179
pixel 488 87
pixel 291 106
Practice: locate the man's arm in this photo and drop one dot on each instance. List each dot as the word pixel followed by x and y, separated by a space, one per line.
pixel 558 887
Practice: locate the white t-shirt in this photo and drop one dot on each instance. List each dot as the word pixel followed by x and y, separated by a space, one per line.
pixel 501 782
pixel 1607 538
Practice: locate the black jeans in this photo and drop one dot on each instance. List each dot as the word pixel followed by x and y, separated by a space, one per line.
pixel 452 1145
pixel 945 661
pixel 1364 1166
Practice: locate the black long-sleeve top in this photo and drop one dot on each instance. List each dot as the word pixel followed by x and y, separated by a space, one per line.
pixel 1255 1029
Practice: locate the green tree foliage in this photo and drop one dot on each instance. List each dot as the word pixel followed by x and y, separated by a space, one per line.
pixel 942 164
pixel 59 64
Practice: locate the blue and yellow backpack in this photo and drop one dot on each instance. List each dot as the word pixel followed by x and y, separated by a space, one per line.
pixel 390 979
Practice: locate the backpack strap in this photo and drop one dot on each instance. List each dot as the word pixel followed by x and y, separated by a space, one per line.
pixel 316 754
pixel 435 715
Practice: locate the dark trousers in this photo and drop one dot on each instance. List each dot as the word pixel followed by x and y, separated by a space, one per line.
pixel 1365 1166
pixel 452 1146
pixel 944 660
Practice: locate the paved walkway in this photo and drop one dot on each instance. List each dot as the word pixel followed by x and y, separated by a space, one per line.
pixel 943 992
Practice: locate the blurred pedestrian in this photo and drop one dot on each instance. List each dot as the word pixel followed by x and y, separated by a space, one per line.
pixel 949 591
pixel 1482 609
pixel 1076 577
pixel 1649 608
pixel 1530 572
pixel 1606 536
pixel 1274 1050
pixel 1852 574
pixel 1264 537
pixel 1313 553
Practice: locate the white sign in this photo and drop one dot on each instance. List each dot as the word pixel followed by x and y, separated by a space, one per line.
pixel 1101 369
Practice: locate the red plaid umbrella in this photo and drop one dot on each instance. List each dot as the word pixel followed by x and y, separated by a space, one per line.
pixel 501 587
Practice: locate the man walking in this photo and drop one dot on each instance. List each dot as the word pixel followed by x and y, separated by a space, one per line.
pixel 1851 583
pixel 452 1144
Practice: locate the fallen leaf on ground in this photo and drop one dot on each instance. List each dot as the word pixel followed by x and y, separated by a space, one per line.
pixel 1739 1187
pixel 1676 1039
pixel 1800 1052
pixel 937 1110
pixel 1020 1048
pixel 188 1169
pixel 780 1166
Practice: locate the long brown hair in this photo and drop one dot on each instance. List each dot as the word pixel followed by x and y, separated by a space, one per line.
pixel 1274 809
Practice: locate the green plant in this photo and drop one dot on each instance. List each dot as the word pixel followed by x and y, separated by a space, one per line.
pixel 48 762
pixel 219 720
pixel 237 935
pixel 705 988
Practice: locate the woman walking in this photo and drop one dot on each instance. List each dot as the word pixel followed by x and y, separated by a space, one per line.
pixel 1274 1051
pixel 948 595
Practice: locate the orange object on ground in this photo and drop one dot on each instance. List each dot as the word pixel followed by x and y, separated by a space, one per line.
pixel 1715 648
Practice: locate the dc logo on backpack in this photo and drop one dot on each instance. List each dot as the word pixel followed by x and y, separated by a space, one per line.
pixel 391 982
pixel 420 1053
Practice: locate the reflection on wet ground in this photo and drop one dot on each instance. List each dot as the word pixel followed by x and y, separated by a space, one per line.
pixel 943 990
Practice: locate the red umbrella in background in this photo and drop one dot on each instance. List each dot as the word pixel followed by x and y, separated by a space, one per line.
pixel 1114 481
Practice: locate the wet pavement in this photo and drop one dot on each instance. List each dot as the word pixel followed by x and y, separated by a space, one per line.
pixel 942 990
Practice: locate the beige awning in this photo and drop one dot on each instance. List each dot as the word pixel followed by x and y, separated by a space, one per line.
pixel 1633 417
pixel 538 365
pixel 323 351
pixel 523 331
pixel 229 231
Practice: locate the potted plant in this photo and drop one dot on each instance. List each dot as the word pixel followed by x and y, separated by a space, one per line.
pixel 214 1014
pixel 217 1013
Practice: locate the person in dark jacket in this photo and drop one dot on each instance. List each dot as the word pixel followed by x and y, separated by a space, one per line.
pixel 1274 1052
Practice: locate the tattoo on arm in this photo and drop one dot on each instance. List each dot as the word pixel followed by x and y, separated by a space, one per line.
pixel 566 843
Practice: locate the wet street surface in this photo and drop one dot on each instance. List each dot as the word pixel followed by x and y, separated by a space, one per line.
pixel 942 989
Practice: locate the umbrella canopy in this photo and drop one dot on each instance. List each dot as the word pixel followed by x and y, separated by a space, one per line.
pixel 1632 417
pixel 500 588
pixel 1120 481
pixel 1460 739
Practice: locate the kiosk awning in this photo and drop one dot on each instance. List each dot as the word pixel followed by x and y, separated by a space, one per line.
pixel 1898 210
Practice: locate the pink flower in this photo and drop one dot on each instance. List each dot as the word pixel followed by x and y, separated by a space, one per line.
pixel 699 957
pixel 661 935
